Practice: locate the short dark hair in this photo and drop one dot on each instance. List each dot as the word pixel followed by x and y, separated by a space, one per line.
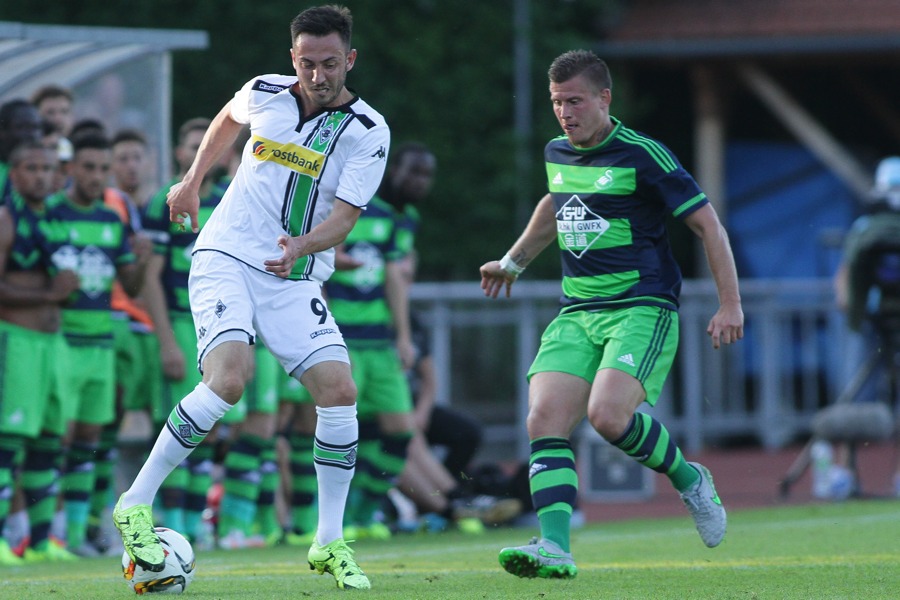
pixel 129 135
pixel 9 109
pixel 195 124
pixel 87 126
pixel 580 62
pixel 50 91
pixel 405 148
pixel 22 148
pixel 323 20
pixel 89 140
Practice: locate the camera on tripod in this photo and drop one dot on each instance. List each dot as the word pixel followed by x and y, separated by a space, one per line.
pixel 872 279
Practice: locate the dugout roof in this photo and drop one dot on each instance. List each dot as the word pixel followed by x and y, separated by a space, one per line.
pixel 121 76
pixel 790 30
pixel 819 74
pixel 825 69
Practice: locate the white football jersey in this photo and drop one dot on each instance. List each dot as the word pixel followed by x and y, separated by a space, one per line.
pixel 291 171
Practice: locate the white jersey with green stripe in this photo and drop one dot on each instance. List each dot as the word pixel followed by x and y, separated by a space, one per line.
pixel 292 170
pixel 611 204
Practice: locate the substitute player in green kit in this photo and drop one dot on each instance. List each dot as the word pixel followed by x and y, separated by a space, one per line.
pixel 315 157
pixel 612 344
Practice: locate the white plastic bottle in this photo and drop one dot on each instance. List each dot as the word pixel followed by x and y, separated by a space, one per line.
pixel 822 457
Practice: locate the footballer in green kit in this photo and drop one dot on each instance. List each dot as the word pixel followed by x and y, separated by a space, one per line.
pixel 33 406
pixel 610 191
pixel 89 238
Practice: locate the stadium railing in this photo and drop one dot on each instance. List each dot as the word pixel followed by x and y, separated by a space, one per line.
pixel 796 356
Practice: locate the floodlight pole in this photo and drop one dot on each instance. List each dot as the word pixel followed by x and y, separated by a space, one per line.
pixel 523 166
pixel 522 111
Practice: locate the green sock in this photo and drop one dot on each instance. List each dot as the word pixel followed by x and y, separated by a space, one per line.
pixel 647 441
pixel 9 452
pixel 304 485
pixel 40 476
pixel 241 485
pixel 104 468
pixel 387 459
pixel 77 484
pixel 554 487
pixel 361 505
pixel 200 465
pixel 172 497
pixel 266 514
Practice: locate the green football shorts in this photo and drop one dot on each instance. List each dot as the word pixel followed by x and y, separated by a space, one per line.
pixel 138 368
pixel 173 391
pixel 31 386
pixel 380 381
pixel 291 390
pixel 261 392
pixel 93 382
pixel 640 341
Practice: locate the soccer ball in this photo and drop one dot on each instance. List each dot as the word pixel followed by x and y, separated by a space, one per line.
pixel 175 576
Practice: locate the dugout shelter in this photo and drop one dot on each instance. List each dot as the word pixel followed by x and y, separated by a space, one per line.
pixel 120 76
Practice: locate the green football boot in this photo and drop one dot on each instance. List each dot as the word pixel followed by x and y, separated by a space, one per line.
pixel 337 558
pixel 140 539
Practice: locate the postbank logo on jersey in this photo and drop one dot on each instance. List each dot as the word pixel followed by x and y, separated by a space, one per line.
pixel 577 227
pixel 297 158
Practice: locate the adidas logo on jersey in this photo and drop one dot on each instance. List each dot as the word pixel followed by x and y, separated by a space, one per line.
pixel 558 180
pixel 628 359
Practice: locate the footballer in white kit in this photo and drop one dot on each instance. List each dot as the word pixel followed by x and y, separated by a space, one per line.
pixel 316 156
pixel 292 170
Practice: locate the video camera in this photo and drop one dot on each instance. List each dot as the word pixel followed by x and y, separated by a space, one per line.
pixel 872 251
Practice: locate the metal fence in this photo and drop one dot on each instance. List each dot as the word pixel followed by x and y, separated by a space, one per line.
pixel 794 359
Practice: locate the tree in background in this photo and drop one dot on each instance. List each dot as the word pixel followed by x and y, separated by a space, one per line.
pixel 440 72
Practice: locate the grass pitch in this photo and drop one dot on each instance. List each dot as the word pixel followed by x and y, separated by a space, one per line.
pixel 849 550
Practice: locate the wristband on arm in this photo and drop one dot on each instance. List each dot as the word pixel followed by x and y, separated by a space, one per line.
pixel 511 266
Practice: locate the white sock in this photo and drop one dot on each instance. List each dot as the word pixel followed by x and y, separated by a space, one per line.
pixel 186 427
pixel 337 434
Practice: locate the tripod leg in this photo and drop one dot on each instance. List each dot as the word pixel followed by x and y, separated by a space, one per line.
pixel 856 490
pixel 859 379
pixel 796 470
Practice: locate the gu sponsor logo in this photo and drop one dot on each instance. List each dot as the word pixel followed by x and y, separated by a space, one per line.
pixel 297 158
pixel 96 271
pixel 572 212
pixel 371 272
pixel 578 228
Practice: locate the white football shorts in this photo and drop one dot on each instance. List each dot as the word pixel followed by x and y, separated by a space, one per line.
pixel 231 301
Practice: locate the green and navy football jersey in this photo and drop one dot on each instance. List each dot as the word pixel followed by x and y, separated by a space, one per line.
pixel 26 253
pixel 93 242
pixel 176 244
pixel 408 221
pixel 611 205
pixel 6 190
pixel 357 297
